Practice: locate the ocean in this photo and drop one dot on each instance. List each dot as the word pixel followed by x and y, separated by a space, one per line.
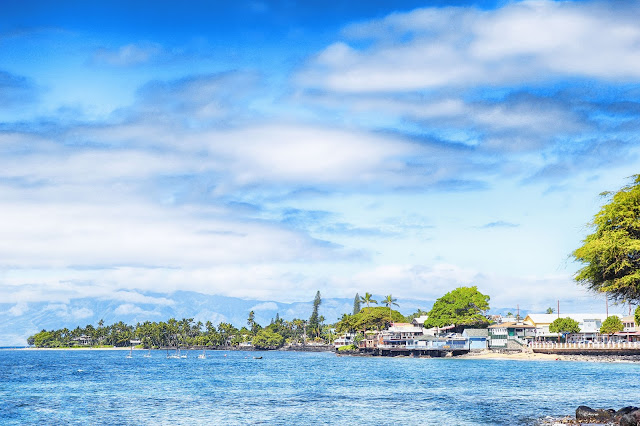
pixel 283 388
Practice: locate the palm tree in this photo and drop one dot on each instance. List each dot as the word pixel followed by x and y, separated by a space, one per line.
pixel 388 301
pixel 368 298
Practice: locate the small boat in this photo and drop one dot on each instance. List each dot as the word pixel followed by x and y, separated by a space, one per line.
pixel 257 357
pixel 148 354
pixel 203 355
pixel 130 353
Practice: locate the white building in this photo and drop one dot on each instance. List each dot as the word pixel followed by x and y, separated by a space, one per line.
pixel 589 325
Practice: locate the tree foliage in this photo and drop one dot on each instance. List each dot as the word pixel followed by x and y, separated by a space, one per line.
pixel 461 307
pixel 314 319
pixel 611 325
pixel 368 299
pixel 376 318
pixel 356 304
pixel 637 316
pixel 611 254
pixel 564 326
pixel 267 339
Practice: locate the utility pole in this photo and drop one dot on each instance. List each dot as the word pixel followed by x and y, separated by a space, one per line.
pixel 606 299
pixel 558 309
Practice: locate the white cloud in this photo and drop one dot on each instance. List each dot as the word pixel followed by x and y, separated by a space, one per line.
pixel 130 309
pixel 19 309
pixel 267 306
pixel 524 41
pixel 128 55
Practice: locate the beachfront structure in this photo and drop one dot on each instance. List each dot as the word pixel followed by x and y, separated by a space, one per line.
pixel 478 338
pixel 631 331
pixel 510 335
pixel 419 321
pixel 344 340
pixel 83 340
pixel 589 325
pixel 398 334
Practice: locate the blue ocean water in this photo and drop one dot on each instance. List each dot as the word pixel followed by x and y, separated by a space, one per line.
pixel 104 387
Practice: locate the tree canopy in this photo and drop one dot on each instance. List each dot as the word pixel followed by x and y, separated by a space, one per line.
pixel 611 254
pixel 611 325
pixel 564 326
pixel 377 318
pixel 460 307
pixel 267 339
pixel 637 315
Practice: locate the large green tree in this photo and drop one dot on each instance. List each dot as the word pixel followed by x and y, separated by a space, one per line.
pixel 564 326
pixel 356 304
pixel 376 318
pixel 611 254
pixel 267 339
pixel 314 319
pixel 463 306
pixel 611 325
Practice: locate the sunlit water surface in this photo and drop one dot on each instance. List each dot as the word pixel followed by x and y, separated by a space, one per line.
pixel 105 387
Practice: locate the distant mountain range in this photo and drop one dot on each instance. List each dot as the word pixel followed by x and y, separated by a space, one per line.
pixel 17 322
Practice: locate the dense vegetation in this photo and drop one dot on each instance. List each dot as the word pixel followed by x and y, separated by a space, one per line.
pixel 173 333
pixel 611 254
pixel 464 306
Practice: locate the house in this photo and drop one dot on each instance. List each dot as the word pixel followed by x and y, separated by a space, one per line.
pixel 510 335
pixel 398 334
pixel 419 321
pixel 344 340
pixel 589 325
pixel 631 331
pixel 83 340
pixel 477 337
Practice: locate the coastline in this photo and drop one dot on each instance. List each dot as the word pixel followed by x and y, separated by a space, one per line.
pixel 531 356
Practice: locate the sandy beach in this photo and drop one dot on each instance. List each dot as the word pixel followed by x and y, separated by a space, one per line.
pixel 524 356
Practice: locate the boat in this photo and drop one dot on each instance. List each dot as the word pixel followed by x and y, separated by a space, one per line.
pixel 257 357
pixel 130 352
pixel 203 355
pixel 148 354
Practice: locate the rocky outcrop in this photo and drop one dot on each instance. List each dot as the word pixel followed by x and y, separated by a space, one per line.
pixel 627 416
pixel 631 418
pixel 588 414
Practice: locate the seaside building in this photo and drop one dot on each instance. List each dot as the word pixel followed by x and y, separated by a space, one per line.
pixel 631 331
pixel 344 340
pixel 398 334
pixel 419 321
pixel 589 325
pixel 478 338
pixel 510 335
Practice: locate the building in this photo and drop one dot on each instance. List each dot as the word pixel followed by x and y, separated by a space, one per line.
pixel 419 321
pixel 344 340
pixel 631 331
pixel 510 335
pixel 398 334
pixel 589 325
pixel 478 338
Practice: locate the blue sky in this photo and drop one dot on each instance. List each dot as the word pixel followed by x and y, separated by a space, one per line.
pixel 265 150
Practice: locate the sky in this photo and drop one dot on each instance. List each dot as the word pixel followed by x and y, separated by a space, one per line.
pixel 267 150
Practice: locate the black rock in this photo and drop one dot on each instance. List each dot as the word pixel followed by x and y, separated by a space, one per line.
pixel 630 419
pixel 589 414
pixel 625 410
